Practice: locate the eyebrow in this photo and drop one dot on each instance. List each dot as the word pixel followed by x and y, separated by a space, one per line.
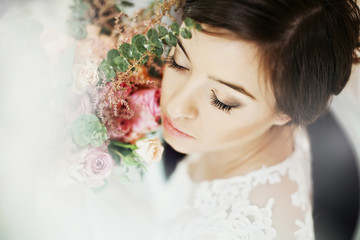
pixel 235 87
pixel 182 47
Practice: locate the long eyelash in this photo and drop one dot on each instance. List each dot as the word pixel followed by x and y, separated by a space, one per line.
pixel 220 105
pixel 170 60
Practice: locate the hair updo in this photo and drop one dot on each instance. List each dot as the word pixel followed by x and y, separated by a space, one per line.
pixel 307 47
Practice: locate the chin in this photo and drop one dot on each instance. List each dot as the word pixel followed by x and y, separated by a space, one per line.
pixel 179 146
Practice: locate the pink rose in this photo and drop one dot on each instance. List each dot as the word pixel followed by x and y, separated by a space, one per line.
pixel 145 103
pixel 98 165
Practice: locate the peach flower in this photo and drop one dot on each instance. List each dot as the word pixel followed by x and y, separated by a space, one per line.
pixel 150 150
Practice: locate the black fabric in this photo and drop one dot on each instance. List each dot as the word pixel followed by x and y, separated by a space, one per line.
pixel 171 159
pixel 335 180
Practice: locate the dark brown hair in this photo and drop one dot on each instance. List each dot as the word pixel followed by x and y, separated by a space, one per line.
pixel 307 47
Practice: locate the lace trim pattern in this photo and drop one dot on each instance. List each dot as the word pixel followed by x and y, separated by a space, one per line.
pixel 222 206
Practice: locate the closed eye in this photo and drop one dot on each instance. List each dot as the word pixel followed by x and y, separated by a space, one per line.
pixel 220 105
pixel 170 61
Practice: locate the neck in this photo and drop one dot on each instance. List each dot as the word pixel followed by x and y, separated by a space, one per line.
pixel 270 148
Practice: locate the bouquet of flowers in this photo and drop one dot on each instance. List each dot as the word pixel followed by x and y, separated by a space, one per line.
pixel 113 111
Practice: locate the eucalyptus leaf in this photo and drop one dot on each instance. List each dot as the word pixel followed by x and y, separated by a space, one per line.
pixel 155 41
pixel 134 52
pixel 127 4
pixel 121 63
pixel 113 53
pixel 152 32
pixel 104 65
pixel 125 49
pixel 198 27
pixel 107 69
pixel 159 51
pixel 110 74
pixel 139 41
pixel 171 39
pixel 185 33
pixel 189 22
pixel 175 28
pixel 162 31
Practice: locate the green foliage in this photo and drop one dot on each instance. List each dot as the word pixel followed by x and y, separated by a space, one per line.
pixel 87 129
pixel 171 39
pixel 154 41
pixel 107 69
pixel 142 46
pixel 126 4
pixel 185 33
pixel 111 55
pixel 79 19
pixel 152 32
pixel 121 64
pixel 135 53
pixel 162 31
pixel 175 28
pixel 140 43
pixel 126 51
pixel 198 27
pixel 124 153
pixel 189 22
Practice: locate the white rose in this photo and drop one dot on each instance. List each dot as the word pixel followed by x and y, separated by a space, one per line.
pixel 85 75
pixel 150 150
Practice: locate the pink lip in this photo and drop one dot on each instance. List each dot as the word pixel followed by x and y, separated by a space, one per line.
pixel 170 128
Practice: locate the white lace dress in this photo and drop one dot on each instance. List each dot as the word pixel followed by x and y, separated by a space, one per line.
pixel 270 203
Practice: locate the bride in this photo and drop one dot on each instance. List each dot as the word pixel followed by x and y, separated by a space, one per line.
pixel 236 97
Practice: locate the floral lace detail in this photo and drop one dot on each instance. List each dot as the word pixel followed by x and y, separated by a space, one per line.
pixel 305 230
pixel 224 209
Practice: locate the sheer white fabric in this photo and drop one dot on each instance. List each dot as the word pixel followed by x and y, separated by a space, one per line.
pixel 274 202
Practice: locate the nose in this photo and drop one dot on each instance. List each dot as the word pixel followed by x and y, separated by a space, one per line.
pixel 182 104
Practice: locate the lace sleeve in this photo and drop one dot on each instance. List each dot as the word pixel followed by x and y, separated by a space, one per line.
pixel 289 204
pixel 273 204
pixel 270 203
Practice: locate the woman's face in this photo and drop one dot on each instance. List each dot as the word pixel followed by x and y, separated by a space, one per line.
pixel 213 95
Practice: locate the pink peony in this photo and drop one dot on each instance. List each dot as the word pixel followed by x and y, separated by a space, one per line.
pixel 98 164
pixel 145 103
pixel 120 128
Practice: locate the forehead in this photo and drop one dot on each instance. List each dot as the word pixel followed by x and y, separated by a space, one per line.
pixel 229 59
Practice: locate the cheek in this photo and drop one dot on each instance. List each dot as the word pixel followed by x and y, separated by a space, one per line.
pixel 246 124
pixel 167 85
